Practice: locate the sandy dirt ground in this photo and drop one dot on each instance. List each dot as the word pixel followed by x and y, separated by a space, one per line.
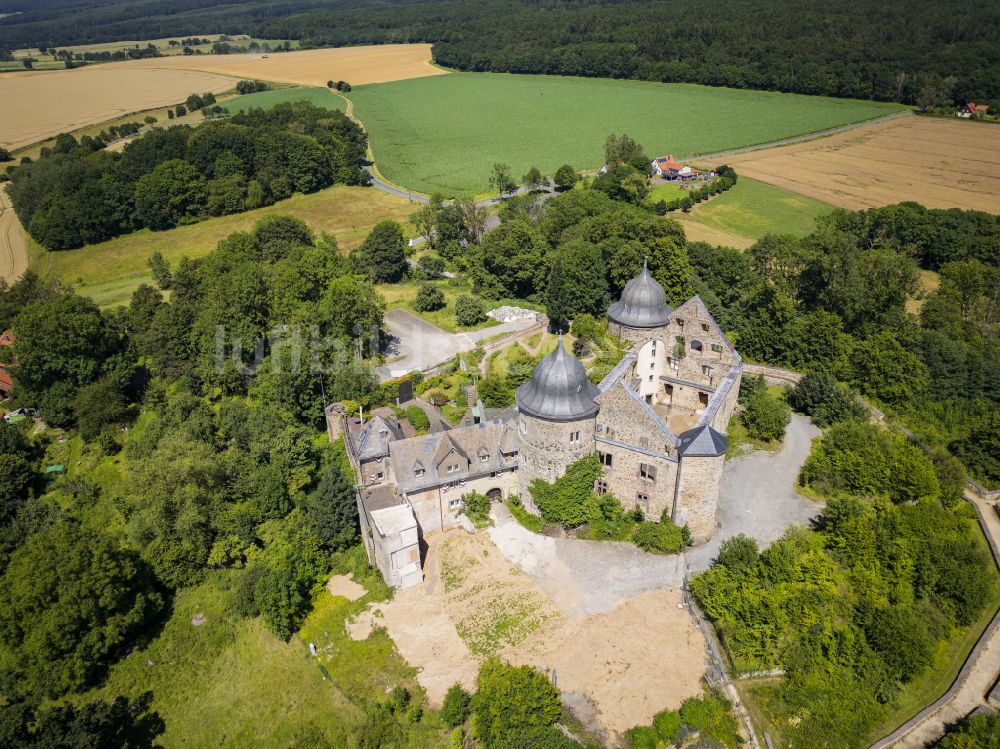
pixel 344 585
pixel 619 667
pixel 13 248
pixel 940 163
pixel 42 104
pixel 313 67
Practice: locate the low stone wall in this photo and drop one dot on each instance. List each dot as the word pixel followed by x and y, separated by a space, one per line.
pixel 773 375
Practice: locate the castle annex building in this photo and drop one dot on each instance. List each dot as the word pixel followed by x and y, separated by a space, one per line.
pixel 656 422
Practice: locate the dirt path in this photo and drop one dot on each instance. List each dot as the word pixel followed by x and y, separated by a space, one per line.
pixel 13 247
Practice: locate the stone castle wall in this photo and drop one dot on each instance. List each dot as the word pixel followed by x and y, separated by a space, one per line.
pixel 545 450
pixel 438 508
pixel 630 488
pixel 698 495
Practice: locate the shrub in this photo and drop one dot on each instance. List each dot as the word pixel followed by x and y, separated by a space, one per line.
pixel 469 311
pixel 765 417
pixel 738 553
pixel 532 522
pixel 430 266
pixel 456 705
pixel 416 416
pixel 511 700
pixel 476 507
pixel 821 397
pixel 429 298
pixel 658 538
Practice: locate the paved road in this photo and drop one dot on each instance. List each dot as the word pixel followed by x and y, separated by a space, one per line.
pixel 415 343
pixel 757 494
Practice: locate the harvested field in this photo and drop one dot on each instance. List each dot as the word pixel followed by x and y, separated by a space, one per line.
pixel 110 271
pixel 643 656
pixel 940 163
pixel 314 67
pixel 13 248
pixel 42 104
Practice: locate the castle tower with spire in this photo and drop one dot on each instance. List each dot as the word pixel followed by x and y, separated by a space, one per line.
pixel 556 419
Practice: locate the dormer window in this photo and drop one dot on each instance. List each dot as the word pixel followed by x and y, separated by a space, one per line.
pixel 418 472
pixel 484 457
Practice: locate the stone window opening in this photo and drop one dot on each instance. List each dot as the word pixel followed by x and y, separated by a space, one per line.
pixel 705 326
pixel 600 428
pixel 574 438
pixel 717 348
pixel 706 370
pixel 696 345
pixel 680 323
pixel 484 457
pixel 652 365
pixel 703 398
pixel 642 500
pixel 606 459
pixel 601 487
pixel 647 472
pixel 454 503
pixel 418 472
pixel 651 378
pixel 611 432
pixel 453 468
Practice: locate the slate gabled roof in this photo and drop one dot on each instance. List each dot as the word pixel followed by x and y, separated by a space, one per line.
pixel 702 442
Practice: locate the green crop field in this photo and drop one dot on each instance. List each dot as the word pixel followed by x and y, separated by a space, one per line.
pixel 266 99
pixel 445 132
pixel 752 209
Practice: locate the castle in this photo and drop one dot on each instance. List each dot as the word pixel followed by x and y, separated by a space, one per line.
pixel 656 422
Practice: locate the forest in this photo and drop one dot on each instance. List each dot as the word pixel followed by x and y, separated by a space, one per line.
pixel 922 52
pixel 77 193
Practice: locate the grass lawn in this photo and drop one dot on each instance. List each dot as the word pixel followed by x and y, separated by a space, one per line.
pixel 666 191
pixel 231 683
pixel 110 271
pixel 445 132
pixel 752 209
pixel 321 97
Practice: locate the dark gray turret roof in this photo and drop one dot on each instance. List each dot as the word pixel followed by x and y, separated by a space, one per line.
pixel 643 303
pixel 558 389
pixel 702 442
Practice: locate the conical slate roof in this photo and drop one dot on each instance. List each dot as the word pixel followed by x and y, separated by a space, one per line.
pixel 702 442
pixel 643 303
pixel 558 389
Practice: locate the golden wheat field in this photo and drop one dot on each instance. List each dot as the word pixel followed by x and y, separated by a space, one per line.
pixel 937 162
pixel 313 67
pixel 41 104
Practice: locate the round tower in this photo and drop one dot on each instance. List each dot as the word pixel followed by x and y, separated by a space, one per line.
pixel 556 421
pixel 641 310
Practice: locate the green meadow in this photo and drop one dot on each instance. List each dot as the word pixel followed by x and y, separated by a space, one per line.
pixel 752 209
pixel 321 97
pixel 445 132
